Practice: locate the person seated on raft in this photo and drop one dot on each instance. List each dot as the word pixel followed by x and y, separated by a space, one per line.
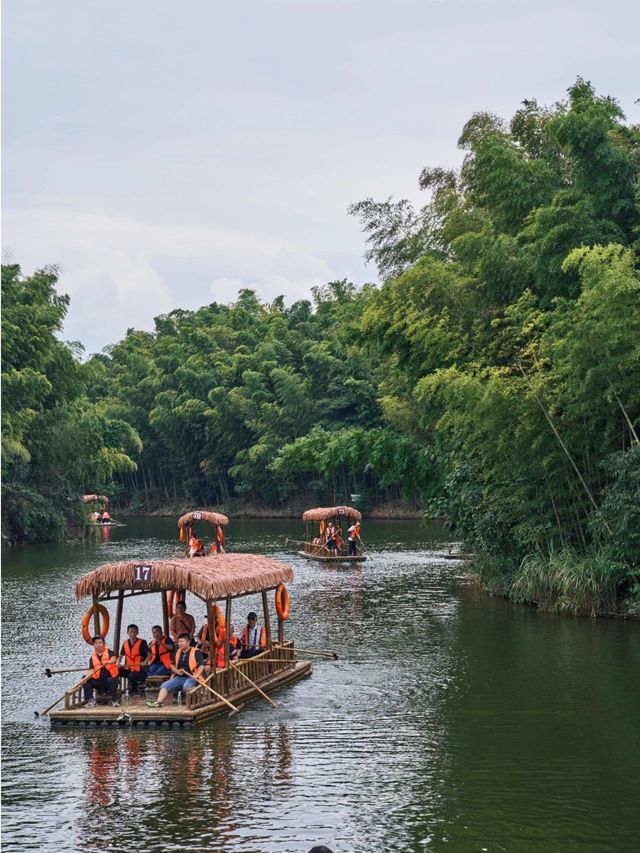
pixel 94 516
pixel 135 652
pixel 105 677
pixel 181 622
pixel 254 637
pixel 196 547
pixel 160 650
pixel 105 518
pixel 187 670
pixel 234 649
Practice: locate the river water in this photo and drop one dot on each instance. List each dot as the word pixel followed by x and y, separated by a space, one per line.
pixel 451 721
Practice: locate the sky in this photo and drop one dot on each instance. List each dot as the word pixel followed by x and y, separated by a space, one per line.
pixel 166 153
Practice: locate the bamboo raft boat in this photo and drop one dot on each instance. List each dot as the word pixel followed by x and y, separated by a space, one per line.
pixel 221 578
pixel 187 527
pixel 316 548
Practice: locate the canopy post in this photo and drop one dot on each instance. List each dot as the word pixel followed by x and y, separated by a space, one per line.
pixel 116 636
pixel 227 640
pixel 96 615
pixel 211 622
pixel 267 620
pixel 280 632
pixel 165 613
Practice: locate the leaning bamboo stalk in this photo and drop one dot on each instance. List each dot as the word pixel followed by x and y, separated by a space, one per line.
pixel 562 444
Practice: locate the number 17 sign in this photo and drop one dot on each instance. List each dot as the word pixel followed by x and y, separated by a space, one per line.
pixel 143 574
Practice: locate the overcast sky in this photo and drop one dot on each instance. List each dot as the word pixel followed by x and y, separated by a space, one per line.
pixel 166 153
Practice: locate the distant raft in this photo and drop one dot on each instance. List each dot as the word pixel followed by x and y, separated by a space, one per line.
pixel 338 537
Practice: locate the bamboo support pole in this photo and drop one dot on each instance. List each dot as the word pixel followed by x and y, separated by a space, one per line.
pixel 267 618
pixel 165 613
pixel 118 629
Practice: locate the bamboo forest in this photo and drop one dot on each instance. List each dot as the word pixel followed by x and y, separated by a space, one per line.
pixel 491 379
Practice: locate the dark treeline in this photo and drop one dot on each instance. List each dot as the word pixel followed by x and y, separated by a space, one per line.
pixel 494 376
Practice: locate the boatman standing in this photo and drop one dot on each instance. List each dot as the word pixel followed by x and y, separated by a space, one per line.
pixel 181 622
pixel 103 664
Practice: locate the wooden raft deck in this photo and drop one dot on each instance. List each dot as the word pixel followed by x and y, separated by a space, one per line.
pixel 199 704
pixel 316 552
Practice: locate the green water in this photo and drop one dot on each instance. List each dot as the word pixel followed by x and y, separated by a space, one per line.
pixel 452 721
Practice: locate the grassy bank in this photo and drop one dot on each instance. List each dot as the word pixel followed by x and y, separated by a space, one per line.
pixel 580 584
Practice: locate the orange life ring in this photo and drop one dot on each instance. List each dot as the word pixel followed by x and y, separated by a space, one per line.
pixel 175 595
pixel 219 624
pixel 282 602
pixel 87 635
pixel 220 535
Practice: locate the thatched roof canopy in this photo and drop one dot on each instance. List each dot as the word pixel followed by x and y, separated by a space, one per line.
pixel 208 577
pixel 197 515
pixel 89 499
pixel 324 513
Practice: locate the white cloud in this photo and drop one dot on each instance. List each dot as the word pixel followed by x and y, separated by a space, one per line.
pixel 122 273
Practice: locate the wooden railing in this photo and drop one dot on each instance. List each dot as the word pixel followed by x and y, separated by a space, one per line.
pixel 74 698
pixel 228 682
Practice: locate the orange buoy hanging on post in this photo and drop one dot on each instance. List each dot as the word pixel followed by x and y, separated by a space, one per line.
pixel 282 602
pixel 220 535
pixel 182 534
pixel 104 625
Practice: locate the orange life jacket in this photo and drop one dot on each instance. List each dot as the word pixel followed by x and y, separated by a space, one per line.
pixel 132 656
pixel 233 645
pixel 252 643
pixel 106 516
pixel 103 661
pixel 192 659
pixel 156 647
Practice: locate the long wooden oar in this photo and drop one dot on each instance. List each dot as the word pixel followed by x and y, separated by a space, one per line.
pixel 313 652
pixel 261 692
pixel 49 672
pixel 60 698
pixel 204 684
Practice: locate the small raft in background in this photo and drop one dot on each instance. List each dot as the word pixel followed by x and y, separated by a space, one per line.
pixel 316 547
pixel 187 525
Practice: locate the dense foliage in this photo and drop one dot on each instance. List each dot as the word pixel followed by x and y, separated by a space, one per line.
pixel 493 376
pixel 56 443
pixel 514 341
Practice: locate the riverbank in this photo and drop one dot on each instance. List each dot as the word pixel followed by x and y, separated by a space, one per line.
pixel 393 510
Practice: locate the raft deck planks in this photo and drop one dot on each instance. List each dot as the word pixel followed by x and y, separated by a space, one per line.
pixel 359 558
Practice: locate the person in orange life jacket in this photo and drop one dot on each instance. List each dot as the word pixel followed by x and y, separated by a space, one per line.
pixel 181 622
pixel 187 666
pixel 196 548
pixel 330 537
pixel 105 517
pixel 160 653
pixel 105 677
pixel 213 548
pixel 135 652
pixel 234 648
pixel 354 532
pixel 254 637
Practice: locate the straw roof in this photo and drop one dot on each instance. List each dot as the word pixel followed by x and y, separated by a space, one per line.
pixel 323 513
pixel 208 577
pixel 88 499
pixel 202 515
